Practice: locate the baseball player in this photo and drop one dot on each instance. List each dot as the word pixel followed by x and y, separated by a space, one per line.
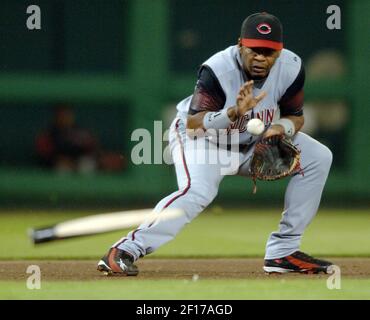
pixel 257 78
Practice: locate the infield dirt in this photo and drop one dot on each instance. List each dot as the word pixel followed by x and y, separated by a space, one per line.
pixel 170 269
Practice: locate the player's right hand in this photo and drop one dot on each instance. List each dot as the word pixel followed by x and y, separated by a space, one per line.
pixel 245 100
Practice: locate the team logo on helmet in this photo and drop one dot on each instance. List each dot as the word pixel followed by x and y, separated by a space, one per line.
pixel 264 28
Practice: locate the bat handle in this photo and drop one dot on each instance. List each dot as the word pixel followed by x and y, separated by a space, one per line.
pixel 42 235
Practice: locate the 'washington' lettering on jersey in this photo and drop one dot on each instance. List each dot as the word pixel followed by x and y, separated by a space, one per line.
pixel 227 67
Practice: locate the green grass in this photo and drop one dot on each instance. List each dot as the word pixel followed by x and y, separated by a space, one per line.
pixel 216 233
pixel 136 289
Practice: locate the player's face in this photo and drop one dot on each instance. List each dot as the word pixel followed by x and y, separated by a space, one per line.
pixel 258 61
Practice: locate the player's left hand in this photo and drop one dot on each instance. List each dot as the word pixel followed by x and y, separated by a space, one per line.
pixel 274 130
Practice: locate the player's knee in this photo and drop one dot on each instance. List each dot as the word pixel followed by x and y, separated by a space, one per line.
pixel 202 194
pixel 324 158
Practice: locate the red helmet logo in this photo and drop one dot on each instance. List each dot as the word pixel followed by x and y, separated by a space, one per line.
pixel 264 28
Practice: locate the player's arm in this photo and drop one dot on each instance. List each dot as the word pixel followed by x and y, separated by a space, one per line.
pixel 206 108
pixel 291 109
pixel 208 97
pixel 285 127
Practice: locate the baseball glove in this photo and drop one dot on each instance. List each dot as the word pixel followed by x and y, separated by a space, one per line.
pixel 274 158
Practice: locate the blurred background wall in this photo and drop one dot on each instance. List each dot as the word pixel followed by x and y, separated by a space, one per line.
pixel 119 65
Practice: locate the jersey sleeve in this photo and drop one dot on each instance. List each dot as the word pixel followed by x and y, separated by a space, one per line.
pixel 208 94
pixel 291 103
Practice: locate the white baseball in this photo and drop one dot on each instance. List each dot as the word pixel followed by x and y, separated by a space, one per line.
pixel 255 127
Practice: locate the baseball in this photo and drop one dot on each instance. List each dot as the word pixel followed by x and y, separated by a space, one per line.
pixel 255 127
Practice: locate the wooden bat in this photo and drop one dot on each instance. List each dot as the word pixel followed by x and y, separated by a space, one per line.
pixel 99 223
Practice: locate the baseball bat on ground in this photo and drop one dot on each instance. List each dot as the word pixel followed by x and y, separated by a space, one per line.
pixel 100 223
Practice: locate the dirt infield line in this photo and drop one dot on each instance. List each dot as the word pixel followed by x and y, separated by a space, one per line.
pixel 170 269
